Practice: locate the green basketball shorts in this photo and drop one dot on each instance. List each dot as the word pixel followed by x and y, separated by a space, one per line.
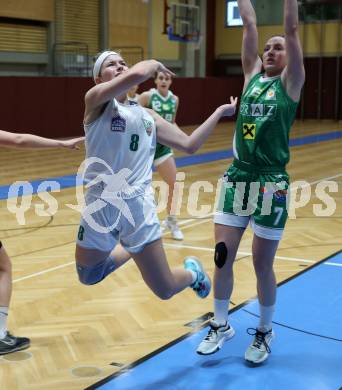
pixel 162 154
pixel 255 195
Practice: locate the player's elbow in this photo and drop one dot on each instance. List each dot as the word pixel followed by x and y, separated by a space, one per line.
pixel 185 144
pixel 190 148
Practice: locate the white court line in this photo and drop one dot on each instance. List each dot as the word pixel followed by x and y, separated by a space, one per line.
pixel 335 264
pixel 166 244
pixel 197 223
pixel 66 264
pixel 43 272
pixel 72 352
pixel 180 223
pixel 325 178
pixel 201 248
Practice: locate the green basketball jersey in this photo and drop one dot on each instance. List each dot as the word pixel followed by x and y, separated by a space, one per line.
pixel 164 106
pixel 264 121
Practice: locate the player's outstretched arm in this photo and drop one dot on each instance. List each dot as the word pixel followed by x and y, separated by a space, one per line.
pixel 103 92
pixel 144 99
pixel 294 74
pixel 251 62
pixel 34 141
pixel 171 135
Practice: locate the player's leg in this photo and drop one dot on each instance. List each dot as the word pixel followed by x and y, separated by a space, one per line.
pixel 8 342
pixel 268 224
pixel 227 240
pixel 5 281
pixel 166 282
pixel 166 167
pixel 93 265
pixel 95 256
pixel 229 229
pixel 167 170
pixel 264 251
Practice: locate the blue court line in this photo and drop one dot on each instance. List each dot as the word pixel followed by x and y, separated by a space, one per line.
pixel 224 154
pixel 306 353
pixel 70 180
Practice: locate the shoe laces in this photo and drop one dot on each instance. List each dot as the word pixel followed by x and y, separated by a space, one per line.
pixel 213 331
pixel 260 338
pixel 198 285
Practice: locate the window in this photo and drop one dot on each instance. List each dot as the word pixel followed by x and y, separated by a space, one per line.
pixel 232 14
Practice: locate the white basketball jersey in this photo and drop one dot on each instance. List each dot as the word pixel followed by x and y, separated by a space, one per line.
pixel 124 137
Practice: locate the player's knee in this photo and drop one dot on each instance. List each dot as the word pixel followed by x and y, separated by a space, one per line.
pixel 165 294
pixel 221 253
pixel 92 274
pixel 88 275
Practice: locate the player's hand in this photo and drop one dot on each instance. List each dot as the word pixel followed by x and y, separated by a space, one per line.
pixel 228 109
pixel 73 143
pixel 159 67
pixel 164 69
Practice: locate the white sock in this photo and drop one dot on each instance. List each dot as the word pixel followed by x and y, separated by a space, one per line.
pixel 3 321
pixel 194 275
pixel 266 315
pixel 221 311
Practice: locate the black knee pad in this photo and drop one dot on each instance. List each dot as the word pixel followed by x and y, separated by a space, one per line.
pixel 0 244
pixel 220 254
pixel 93 274
pixel 90 274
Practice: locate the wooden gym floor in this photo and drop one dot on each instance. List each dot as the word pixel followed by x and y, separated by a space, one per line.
pixel 81 334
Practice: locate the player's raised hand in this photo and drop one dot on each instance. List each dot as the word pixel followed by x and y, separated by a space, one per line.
pixel 228 109
pixel 164 69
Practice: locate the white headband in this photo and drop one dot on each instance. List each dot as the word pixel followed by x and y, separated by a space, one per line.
pixel 99 62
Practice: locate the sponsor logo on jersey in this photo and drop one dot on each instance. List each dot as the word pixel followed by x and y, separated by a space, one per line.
pixel 248 130
pixel 271 94
pixel 148 125
pixel 260 111
pixel 280 196
pixel 256 91
pixel 156 105
pixel 166 107
pixel 118 124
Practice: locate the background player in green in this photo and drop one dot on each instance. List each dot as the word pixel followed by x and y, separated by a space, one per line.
pixel 267 110
pixel 165 103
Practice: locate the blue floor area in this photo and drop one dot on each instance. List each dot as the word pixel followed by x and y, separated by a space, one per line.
pixel 201 158
pixel 306 353
pixel 320 295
